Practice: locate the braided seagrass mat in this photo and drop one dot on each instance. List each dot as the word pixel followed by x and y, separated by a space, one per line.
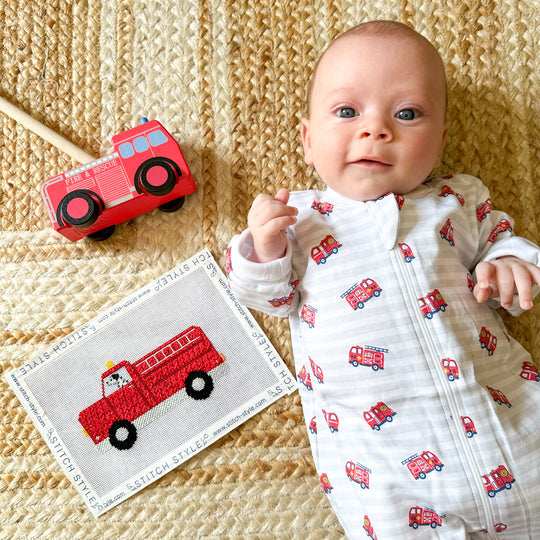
pixel 227 78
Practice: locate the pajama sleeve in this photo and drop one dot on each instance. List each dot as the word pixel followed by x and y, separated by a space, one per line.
pixel 496 239
pixel 267 287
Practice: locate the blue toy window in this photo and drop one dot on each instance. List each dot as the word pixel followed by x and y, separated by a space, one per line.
pixel 126 150
pixel 140 144
pixel 157 137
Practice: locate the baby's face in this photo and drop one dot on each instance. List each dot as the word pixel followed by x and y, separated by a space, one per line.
pixel 376 120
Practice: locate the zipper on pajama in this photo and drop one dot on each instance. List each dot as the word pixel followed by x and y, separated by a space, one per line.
pixel 403 271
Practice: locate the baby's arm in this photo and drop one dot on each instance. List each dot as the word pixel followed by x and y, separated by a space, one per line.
pixel 504 277
pixel 268 220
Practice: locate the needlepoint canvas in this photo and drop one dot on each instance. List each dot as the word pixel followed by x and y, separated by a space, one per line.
pixel 150 382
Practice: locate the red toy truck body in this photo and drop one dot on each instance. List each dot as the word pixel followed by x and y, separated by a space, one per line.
pixel 146 169
pixel 132 389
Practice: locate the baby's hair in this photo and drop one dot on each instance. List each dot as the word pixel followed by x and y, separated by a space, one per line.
pixel 377 28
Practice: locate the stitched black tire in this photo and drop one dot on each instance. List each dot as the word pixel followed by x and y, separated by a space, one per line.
pixel 197 391
pixel 122 434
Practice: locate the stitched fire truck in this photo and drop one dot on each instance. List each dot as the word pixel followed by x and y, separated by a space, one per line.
pixel 308 315
pixel 357 295
pixel 487 340
pixel 529 372
pixel 317 371
pixel 358 473
pixel 367 356
pixel 424 516
pixel 146 169
pixel 130 390
pixel 450 368
pixel 325 483
pixel 432 303
pixel 369 528
pixel 305 377
pixel 419 465
pixel 468 426
pixel 407 252
pixel 498 396
pixel 322 207
pixel 332 420
pixel 497 480
pixel 328 246
pixel 483 209
pixel 447 232
pixel 378 415
pixel 503 225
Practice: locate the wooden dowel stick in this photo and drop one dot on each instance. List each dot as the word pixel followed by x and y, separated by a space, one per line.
pixel 44 132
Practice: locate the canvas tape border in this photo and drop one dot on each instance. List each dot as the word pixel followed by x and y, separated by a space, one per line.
pixel 285 384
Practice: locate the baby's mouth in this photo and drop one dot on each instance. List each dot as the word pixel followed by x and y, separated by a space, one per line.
pixel 371 162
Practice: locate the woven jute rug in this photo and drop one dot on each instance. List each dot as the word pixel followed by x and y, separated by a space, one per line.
pixel 227 79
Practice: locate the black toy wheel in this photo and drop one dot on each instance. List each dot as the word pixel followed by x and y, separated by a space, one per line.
pixel 103 234
pixel 199 385
pixel 157 176
pixel 79 209
pixel 122 434
pixel 172 206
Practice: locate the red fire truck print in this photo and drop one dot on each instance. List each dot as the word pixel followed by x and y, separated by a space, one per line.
pixel 358 473
pixel 332 420
pixel 498 397
pixel 369 529
pixel 357 295
pixel 529 372
pixel 400 200
pixel 497 480
pixel 450 368
pixel 468 426
pixel 313 425
pixel 228 260
pixel 447 190
pixel 503 225
pixel 130 390
pixel 424 516
pixel 325 483
pixel 324 208
pixel 317 371
pixel 432 303
pixel 447 232
pixel 367 356
pixel 420 465
pixel 487 340
pixel 378 415
pixel 483 209
pixel 308 315
pixel 305 377
pixel 407 252
pixel 328 246
pixel 285 300
pixel 147 169
pixel 470 282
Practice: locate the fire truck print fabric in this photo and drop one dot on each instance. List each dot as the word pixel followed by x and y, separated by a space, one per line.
pixel 438 409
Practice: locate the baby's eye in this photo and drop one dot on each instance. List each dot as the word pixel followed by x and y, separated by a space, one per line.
pixel 346 112
pixel 407 114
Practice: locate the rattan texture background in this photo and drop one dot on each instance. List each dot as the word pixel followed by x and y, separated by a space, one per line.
pixel 227 78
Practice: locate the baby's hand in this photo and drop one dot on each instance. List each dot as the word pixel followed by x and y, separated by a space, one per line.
pixel 505 276
pixel 268 219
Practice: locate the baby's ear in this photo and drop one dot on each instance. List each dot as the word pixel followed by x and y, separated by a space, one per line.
pixel 306 141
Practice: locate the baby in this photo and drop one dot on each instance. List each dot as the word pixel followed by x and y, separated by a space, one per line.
pixel 422 411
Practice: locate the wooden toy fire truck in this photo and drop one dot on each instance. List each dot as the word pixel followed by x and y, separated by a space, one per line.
pixel 146 170
pixel 130 390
